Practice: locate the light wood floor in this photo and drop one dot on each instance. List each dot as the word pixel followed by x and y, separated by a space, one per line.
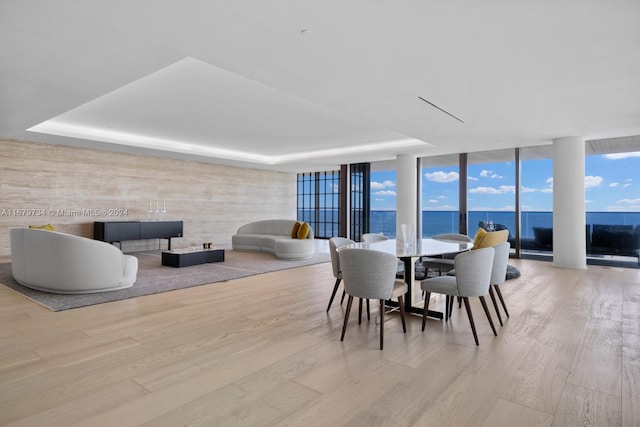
pixel 262 351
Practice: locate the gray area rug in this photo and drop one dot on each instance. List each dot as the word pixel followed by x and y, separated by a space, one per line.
pixel 155 278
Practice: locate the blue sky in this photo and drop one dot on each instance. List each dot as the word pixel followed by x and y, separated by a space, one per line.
pixel 612 184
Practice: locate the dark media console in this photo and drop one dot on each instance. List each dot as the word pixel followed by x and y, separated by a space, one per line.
pixel 119 231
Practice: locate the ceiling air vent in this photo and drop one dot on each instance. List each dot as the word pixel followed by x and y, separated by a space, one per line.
pixel 441 109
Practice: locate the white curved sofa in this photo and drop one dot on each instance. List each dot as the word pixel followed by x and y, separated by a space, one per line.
pixel 273 236
pixel 66 264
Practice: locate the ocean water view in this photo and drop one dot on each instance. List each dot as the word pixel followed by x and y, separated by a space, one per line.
pixel 437 222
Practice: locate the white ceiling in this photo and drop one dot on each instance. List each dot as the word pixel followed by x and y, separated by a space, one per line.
pixel 241 83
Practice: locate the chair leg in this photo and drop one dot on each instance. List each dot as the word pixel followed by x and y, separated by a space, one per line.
pixel 501 300
pixel 495 304
pixel 333 294
pixel 346 316
pixel 381 323
pixel 401 306
pixel 342 299
pixel 486 311
pixel 446 308
pixel 451 300
pixel 473 325
pixel 359 311
pixel 426 309
pixel 368 312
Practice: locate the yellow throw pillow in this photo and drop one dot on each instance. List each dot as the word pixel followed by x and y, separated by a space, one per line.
pixel 294 231
pixel 479 236
pixel 43 227
pixel 303 232
pixel 492 238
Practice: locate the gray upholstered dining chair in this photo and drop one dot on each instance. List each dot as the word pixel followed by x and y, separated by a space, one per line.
pixel 370 274
pixel 499 275
pixel 334 244
pixel 445 262
pixel 472 279
pixel 373 237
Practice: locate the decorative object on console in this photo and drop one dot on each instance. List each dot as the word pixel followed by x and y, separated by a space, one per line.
pixel 158 213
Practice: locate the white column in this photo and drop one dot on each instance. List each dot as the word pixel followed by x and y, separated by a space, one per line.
pixel 406 191
pixel 569 243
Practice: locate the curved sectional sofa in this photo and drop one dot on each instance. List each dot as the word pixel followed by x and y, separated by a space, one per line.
pixel 273 236
pixel 66 264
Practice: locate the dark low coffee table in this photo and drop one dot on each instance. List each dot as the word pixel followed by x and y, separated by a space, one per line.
pixel 185 258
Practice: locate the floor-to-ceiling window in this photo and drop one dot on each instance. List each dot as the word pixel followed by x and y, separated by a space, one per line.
pixel 491 191
pixel 360 199
pixel 536 199
pixel 383 201
pixel 319 202
pixel 612 201
pixel 491 195
pixel 440 195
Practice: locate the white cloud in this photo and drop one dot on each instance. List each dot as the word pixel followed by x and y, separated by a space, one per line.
pixel 626 208
pixel 489 174
pixel 527 189
pixel 592 181
pixel 439 208
pixel 627 185
pixel 380 185
pixel 492 190
pixel 442 197
pixel 588 201
pixel 628 180
pixel 614 184
pixel 550 189
pixel 432 201
pixel 618 156
pixel 385 193
pixel 471 178
pixel 630 201
pixel 441 176
pixel 485 190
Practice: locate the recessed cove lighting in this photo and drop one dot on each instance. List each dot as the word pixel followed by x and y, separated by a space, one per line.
pixel 72 130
